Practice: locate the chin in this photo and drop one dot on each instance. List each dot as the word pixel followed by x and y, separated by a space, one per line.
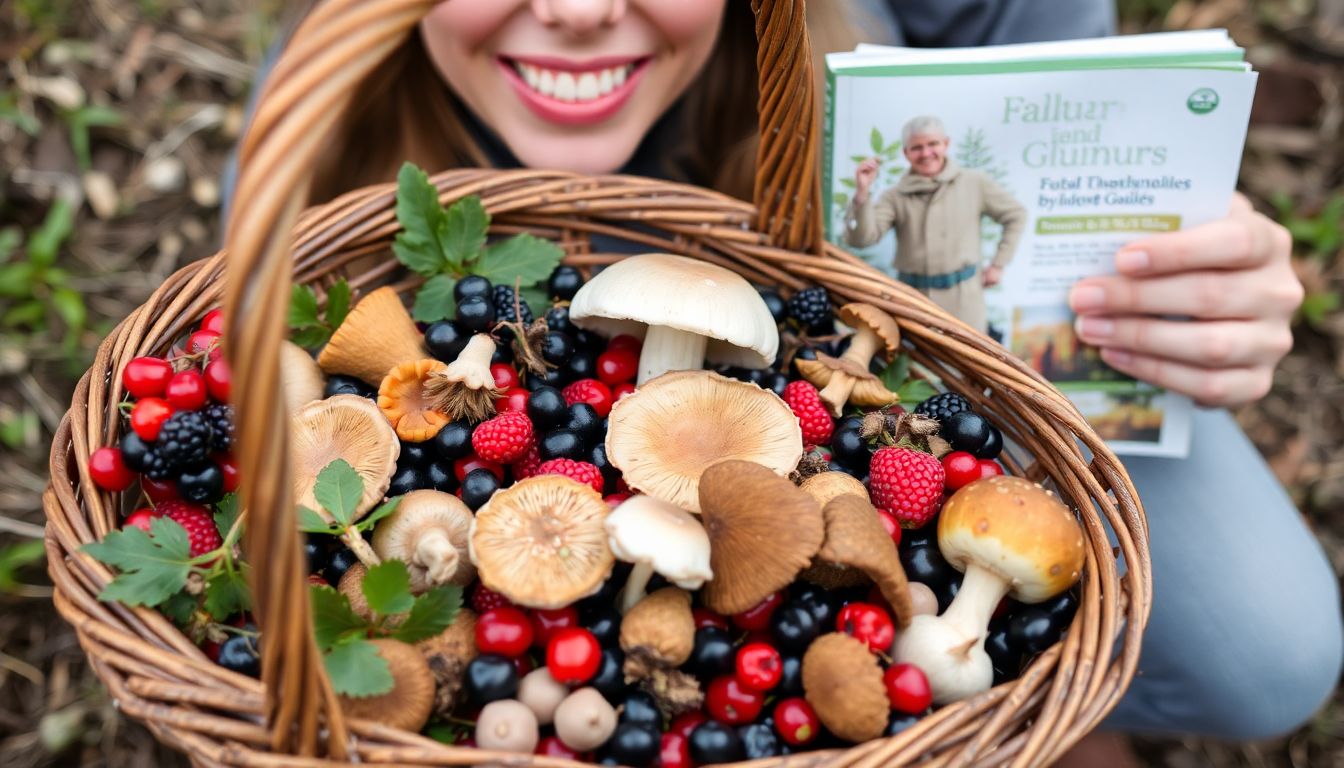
pixel 590 154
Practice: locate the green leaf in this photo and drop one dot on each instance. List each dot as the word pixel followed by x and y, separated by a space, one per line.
pixel 523 257
pixel 227 511
pixel 16 280
pixel 914 392
pixel 387 587
pixel 153 565
pixel 382 511
pixel 226 593
pixel 310 337
pixel 338 303
pixel 432 613
pixel 421 218
pixel 332 616
pixel 875 140
pixel 31 312
pixel 462 231
pixel 56 227
pixel 302 307
pixel 537 297
pixel 434 301
pixel 338 489
pixel 356 669
pixel 179 608
pixel 311 522
pixel 896 372
pixel 70 306
pixel 17 556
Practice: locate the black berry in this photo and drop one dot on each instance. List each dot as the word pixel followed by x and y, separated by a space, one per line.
pixel 220 418
pixel 634 744
pixel 557 319
pixel 775 303
pixel 606 594
pixel 201 484
pixel 439 476
pixel 340 562
pixel 581 365
pixel 315 551
pixel 453 441
pixel 562 444
pixel 823 603
pixel 993 445
pixel 472 285
pixel 605 624
pixel 491 677
pixel 610 474
pixel 966 431
pixel 546 408
pixel 555 377
pixel 1033 629
pixel 239 654
pixel 1062 607
pixel 640 708
pixel 759 740
pixel 848 447
pixel 587 340
pixel 184 439
pixel 790 679
pixel 476 314
pixel 714 742
pixel 446 340
pixel 810 306
pixel 507 305
pixel 583 419
pixel 610 678
pixel 775 382
pixel 942 406
pixel 556 347
pixel 713 654
pixel 338 384
pixel 407 479
pixel 477 488
pixel 133 452
pixel 898 722
pixel 564 282
pixel 413 454
pixel 1007 660
pixel 793 627
pixel 927 566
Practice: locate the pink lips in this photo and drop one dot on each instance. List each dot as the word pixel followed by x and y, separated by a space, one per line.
pixel 573 112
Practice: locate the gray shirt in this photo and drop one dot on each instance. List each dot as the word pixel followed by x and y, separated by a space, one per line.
pixel 960 23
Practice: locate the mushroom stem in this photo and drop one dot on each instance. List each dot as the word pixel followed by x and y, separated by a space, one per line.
pixel 861 350
pixel 950 648
pixel 970 611
pixel 668 349
pixel 634 586
pixel 435 552
pixel 355 541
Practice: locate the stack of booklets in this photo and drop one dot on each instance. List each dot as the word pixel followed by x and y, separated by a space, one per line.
pixel 1081 147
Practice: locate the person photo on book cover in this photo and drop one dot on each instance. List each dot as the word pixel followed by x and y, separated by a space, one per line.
pixel 935 209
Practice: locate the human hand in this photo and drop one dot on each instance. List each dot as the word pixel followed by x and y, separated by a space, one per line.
pixel 992 275
pixel 1233 278
pixel 864 176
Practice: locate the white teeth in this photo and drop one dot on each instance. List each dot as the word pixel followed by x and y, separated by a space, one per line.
pixel 605 82
pixel 587 88
pixel 570 86
pixel 531 76
pixel 546 82
pixel 619 75
pixel 565 89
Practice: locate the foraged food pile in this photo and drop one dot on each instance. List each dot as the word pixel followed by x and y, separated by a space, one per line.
pixel 658 516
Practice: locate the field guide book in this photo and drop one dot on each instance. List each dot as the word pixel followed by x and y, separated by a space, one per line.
pixel 1063 152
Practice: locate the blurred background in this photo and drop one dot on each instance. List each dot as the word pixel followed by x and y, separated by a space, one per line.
pixel 116 117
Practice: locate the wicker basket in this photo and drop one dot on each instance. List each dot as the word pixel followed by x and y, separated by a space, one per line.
pixel 289 718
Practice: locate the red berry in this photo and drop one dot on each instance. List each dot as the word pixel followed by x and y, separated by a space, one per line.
pixel 200 526
pixel 218 379
pixel 759 666
pixel 683 724
pixel 573 656
pixel 545 623
pixel 146 376
pixel 503 439
pixel 731 703
pixel 592 392
pixel 552 746
pixel 213 321
pixel 186 390
pixel 229 466
pixel 523 664
pixel 506 377
pixel 148 415
pixel 796 721
pixel 140 519
pixel 579 471
pixel 527 466
pixel 205 341
pixel 989 468
pixel 816 421
pixel 906 483
pixel 621 390
pixel 758 616
pixel 907 688
pixel 614 500
pixel 505 631
pixel 706 618
pixel 892 525
pixel 316 580
pixel 109 470
pixel 464 465
pixel 485 599
pixel 626 342
pixel 960 468
pixel 869 623
pixel 514 399
pixel 616 366
pixel 159 490
pixel 674 751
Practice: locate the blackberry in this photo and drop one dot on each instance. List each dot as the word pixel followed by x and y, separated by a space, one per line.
pixel 184 439
pixel 504 309
pixel 220 417
pixel 157 467
pixel 810 306
pixel 941 407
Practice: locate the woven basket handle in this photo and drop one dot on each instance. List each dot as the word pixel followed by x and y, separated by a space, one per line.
pixel 335 47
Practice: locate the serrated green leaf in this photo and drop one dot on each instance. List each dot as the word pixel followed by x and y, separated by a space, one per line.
pixel 310 336
pixel 332 616
pixel 70 306
pixel 302 307
pixel 432 613
pixel 356 669
pixel 914 392
pixel 875 140
pixel 382 511
pixel 226 593
pixel 153 565
pixel 387 588
pixel 227 511
pixel 338 489
pixel 434 301
pixel 56 227
pixel 523 257
pixel 312 522
pixel 896 372
pixel 462 232
pixel 338 304
pixel 421 217
pixel 179 608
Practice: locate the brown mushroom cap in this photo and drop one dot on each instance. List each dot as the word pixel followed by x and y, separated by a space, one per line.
pixel 375 337
pixel 663 435
pixel 408 704
pixel 346 427
pixel 843 683
pixel 352 586
pixel 429 531
pixel 541 542
pixel 858 314
pixel 823 487
pixel 1017 530
pixel 855 537
pixel 658 632
pixel 448 654
pixel 762 531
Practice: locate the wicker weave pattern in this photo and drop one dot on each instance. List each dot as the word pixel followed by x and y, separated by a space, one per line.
pixel 220 718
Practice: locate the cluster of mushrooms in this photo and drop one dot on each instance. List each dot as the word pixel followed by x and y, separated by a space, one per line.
pixel 715 511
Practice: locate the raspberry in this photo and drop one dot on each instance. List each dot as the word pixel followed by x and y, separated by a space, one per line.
pixel 485 599
pixel 184 439
pixel 906 483
pixel 806 403
pixel 810 306
pixel 220 418
pixel 592 392
pixel 943 406
pixel 579 471
pixel 200 526
pixel 503 439
pixel 527 466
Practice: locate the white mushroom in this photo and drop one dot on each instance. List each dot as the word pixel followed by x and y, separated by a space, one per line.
pixel 429 532
pixel 657 536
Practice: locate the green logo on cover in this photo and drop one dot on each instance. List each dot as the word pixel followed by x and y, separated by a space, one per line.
pixel 1202 101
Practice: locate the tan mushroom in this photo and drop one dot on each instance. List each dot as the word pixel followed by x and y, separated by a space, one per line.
pixel 352 586
pixel 429 532
pixel 374 338
pixel 658 633
pixel 408 704
pixel 465 389
pixel 541 542
pixel 762 531
pixel 448 654
pixel 507 725
pixel 855 537
pixel 847 378
pixel 300 378
pixel 664 435
pixel 584 720
pixel 542 694
pixel 823 487
pixel 843 683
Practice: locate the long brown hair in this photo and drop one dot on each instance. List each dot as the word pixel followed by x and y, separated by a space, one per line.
pixel 404 111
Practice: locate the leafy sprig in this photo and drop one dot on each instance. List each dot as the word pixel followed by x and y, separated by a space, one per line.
pixel 311 327
pixel 338 490
pixel 912 390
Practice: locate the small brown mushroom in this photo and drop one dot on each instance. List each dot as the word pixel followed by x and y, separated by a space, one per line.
pixel 429 532
pixel 408 704
pixel 352 586
pixel 658 633
pixel 448 654
pixel 847 378
pixel 843 683
pixel 404 397
pixel 762 531
pixel 584 720
pixel 855 537
pixel 542 694
pixel 300 378
pixel 374 338
pixel 466 389
pixel 508 726
pixel 823 487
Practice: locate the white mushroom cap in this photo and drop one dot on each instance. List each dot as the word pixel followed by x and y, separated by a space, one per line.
pixel 644 529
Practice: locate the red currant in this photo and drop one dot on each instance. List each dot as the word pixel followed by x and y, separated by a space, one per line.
pixel 621 390
pixel 892 525
pixel 907 688
pixel 213 321
pixel 592 392
pixel 758 616
pixel 140 519
pixel 614 500
pixel 229 466
pixel 683 724
pixel 545 623
pixel 707 618
pixel 109 470
pixel 729 702
pixel 759 666
pixel 960 468
pixel 552 746
pixel 146 376
pixel 505 375
pixel 148 415
pixel 514 399
pixel 205 341
pixel 626 342
pixel 186 390
pixel 868 623
pixel 505 631
pixel 990 468
pixel 675 751
pixel 617 365
pixel 573 656
pixel 159 490
pixel 523 664
pixel 463 466
pixel 218 379
pixel 796 721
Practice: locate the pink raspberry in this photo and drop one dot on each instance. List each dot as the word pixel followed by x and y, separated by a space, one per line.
pixel 906 483
pixel 579 471
pixel 816 421
pixel 503 439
